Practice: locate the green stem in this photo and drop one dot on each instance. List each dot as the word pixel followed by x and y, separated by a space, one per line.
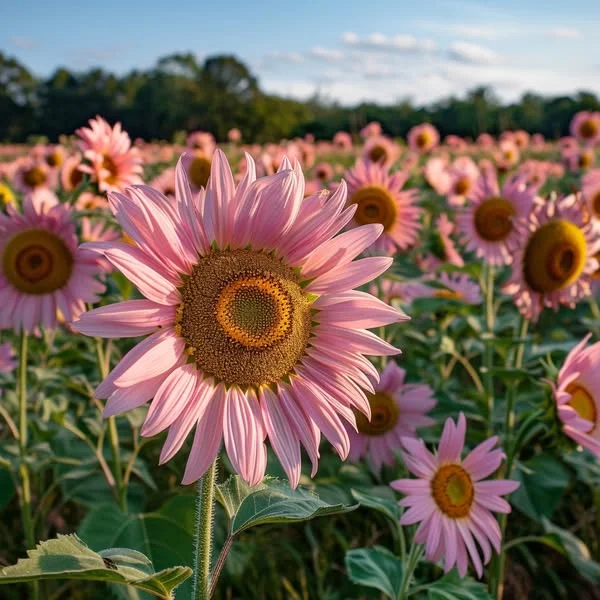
pixel 488 357
pixel 26 512
pixel 113 435
pixel 414 557
pixel 497 580
pixel 205 501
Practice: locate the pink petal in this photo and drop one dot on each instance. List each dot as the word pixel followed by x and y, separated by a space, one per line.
pixel 346 277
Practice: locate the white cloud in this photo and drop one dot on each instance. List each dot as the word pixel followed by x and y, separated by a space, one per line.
pixel 327 54
pixel 287 57
pixel 472 53
pixel 396 43
pixel 25 43
pixel 563 33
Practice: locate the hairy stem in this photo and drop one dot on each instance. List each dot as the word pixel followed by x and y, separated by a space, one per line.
pixel 205 501
pixel 488 356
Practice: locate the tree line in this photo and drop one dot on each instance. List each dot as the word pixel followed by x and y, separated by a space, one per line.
pixel 179 94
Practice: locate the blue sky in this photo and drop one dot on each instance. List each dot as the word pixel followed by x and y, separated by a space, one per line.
pixel 348 50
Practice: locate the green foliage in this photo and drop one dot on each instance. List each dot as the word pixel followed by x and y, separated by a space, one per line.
pixel 376 568
pixel 452 587
pixel 67 557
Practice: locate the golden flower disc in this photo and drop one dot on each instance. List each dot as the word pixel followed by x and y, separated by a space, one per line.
pixel 36 261
pixel 384 415
pixel 199 171
pixel 55 159
pixel 75 177
pixel 244 317
pixel 377 153
pixel 586 159
pixel 462 186
pixel 453 491
pixel 6 195
pixel 583 402
pixel 493 219
pixel 554 257
pixel 34 177
pixel 375 205
pixel 588 129
pixel 422 139
pixel 109 164
pixel 448 294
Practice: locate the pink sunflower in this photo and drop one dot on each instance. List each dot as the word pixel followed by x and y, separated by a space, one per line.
pixel 464 174
pixel 401 292
pixel 437 174
pixel 585 126
pixel 71 175
pixel 458 286
pixel 487 223
pixel 379 198
pixel 398 409
pixel 577 395
pixel 423 138
pixel 342 140
pixel 450 500
pixel 165 183
pixel 553 261
pixel 381 150
pixel 590 190
pixel 42 271
pixel 442 247
pixel 113 162
pixel 34 174
pixel 255 330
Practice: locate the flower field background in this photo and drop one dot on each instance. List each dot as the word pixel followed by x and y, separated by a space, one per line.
pixel 357 367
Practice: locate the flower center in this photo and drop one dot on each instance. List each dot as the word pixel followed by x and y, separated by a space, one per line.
pixel 6 195
pixel 244 317
pixel 377 153
pixel 34 177
pixel 586 159
pixel 493 219
pixel 36 261
pixel 422 139
pixel 596 204
pixel 583 402
pixel 554 256
pixel 462 186
pixel 75 177
pixel 452 490
pixel 109 164
pixel 588 129
pixel 200 171
pixel 384 415
pixel 54 159
pixel 448 294
pixel 375 205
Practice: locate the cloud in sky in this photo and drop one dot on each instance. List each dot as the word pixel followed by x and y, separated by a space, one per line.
pixel 396 43
pixel 327 54
pixel 472 53
pixel 22 42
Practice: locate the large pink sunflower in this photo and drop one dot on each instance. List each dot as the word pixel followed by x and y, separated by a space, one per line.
pixel 254 327
pixel 379 198
pixel 42 271
pixel 553 261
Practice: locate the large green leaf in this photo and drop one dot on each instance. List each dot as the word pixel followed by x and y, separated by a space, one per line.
pixel 543 480
pixel 273 502
pixel 453 587
pixel 377 568
pixel 67 557
pixel 387 507
pixel 575 550
pixel 165 536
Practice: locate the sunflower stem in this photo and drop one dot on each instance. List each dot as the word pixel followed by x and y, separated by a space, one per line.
pixel 205 502
pixel 113 434
pixel 414 556
pixel 497 579
pixel 25 496
pixel 488 357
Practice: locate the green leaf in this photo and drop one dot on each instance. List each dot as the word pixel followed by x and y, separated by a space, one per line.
pixel 7 487
pixel 453 587
pixel 67 557
pixel 377 568
pixel 388 508
pixel 543 480
pixel 575 550
pixel 271 502
pixel 165 536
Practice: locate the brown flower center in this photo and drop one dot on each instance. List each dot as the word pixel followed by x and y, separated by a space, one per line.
pixel 109 164
pixel 36 261
pixel 554 257
pixel 462 186
pixel 244 317
pixel 422 140
pixel 375 205
pixel 199 171
pixel 493 219
pixel 384 415
pixel 35 177
pixel 453 491
pixel 588 129
pixel 378 153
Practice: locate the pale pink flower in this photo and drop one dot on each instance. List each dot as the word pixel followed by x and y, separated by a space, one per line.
pixel 487 223
pixel 165 183
pixel 342 140
pixel 71 175
pixel 463 173
pixel 423 138
pixel 521 139
pixel 255 329
pixel 485 141
pixel 90 201
pixel 113 163
pixel 398 409
pixel 459 287
pixel 379 198
pixel 381 150
pixel 42 271
pixel 372 129
pixel 451 501
pixel 401 292
pixel 553 261
pixel 34 174
pixel 507 155
pixel 202 141
pixel 585 126
pixel 234 135
pixel 8 362
pixel 323 171
pixel 577 395
pixel 590 189
pixel 438 175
